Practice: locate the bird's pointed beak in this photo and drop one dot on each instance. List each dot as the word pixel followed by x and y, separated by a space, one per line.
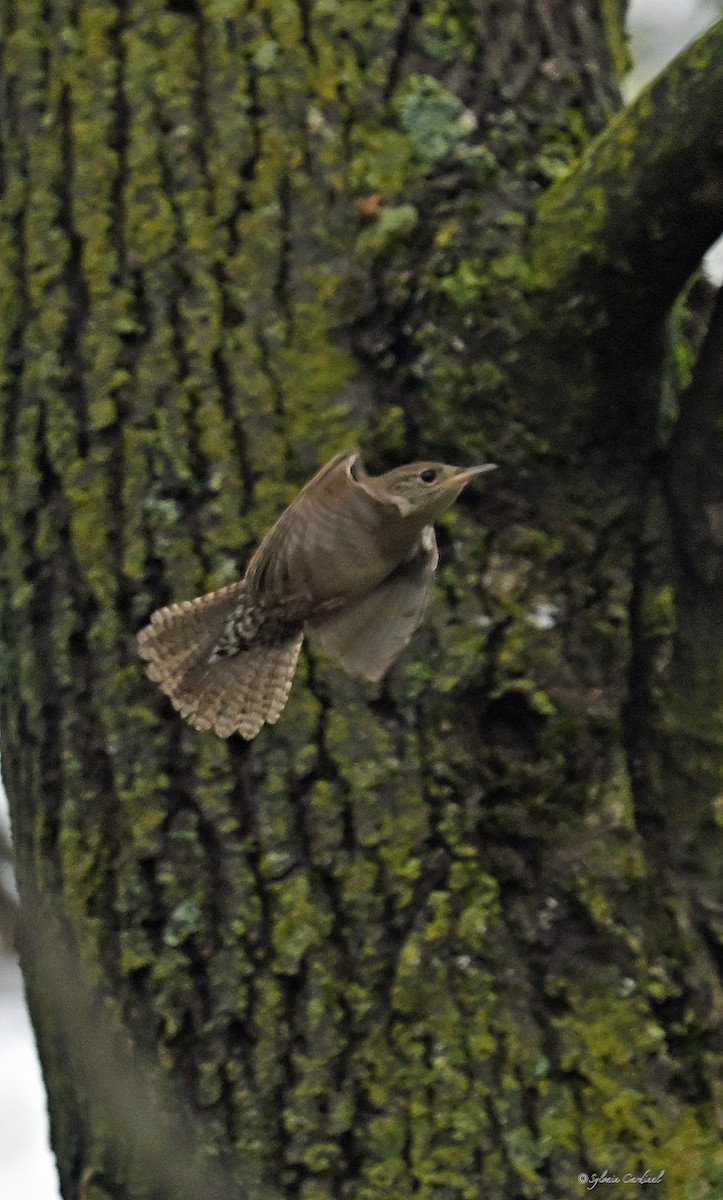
pixel 464 474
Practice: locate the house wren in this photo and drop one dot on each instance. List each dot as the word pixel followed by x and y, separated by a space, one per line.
pixel 350 562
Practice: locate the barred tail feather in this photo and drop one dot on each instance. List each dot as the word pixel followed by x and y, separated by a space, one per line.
pixel 178 634
pixel 240 692
pixel 257 684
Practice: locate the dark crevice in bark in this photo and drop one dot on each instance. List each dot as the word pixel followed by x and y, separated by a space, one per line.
pixel 227 396
pixel 693 485
pixel 193 497
pixel 116 472
pixel 241 1047
pixel 293 988
pixel 639 708
pixel 155 580
pixel 74 280
pixel 8 22
pixel 262 950
pixel 351 1139
pixel 326 766
pixel 400 46
pixel 241 795
pixel 14 360
pixel 16 762
pixel 688 1044
pixel 200 110
pixel 282 283
pixel 179 796
pixel 231 316
pixel 248 166
pixel 305 8
pixel 45 56
pixel 714 945
pixel 89 733
pixel 130 342
pixel 227 1102
pixel 266 360
pixel 41 574
pixel 497 1127
pixel 118 141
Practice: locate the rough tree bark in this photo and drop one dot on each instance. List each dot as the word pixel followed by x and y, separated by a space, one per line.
pixel 458 934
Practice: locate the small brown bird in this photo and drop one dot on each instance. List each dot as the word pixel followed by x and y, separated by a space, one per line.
pixel 350 562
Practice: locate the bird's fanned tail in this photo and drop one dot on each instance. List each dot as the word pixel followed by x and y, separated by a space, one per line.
pixel 240 692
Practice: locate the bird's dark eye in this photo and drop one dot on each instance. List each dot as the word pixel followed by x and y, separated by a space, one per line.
pixel 428 476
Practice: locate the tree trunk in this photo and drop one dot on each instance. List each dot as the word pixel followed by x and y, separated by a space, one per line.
pixel 457 934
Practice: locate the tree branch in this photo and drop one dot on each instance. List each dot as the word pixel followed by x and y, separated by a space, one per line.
pixel 144 1124
pixel 628 225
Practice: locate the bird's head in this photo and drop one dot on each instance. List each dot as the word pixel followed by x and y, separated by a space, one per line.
pixel 422 489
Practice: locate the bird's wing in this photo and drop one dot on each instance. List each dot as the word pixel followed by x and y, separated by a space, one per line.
pixel 366 636
pixel 279 568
